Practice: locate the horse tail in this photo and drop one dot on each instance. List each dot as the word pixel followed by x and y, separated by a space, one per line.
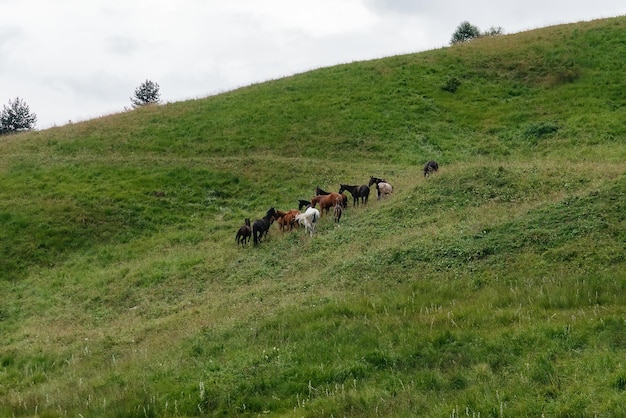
pixel 255 233
pixel 315 216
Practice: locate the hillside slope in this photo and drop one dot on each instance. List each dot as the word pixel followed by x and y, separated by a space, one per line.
pixel 495 287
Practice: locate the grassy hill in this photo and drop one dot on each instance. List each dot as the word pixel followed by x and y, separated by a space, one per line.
pixel 496 287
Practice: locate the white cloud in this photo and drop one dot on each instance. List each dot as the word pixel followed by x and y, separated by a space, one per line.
pixel 72 59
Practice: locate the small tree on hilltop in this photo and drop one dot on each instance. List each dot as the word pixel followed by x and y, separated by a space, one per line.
pixel 146 93
pixel 494 31
pixel 465 32
pixel 16 117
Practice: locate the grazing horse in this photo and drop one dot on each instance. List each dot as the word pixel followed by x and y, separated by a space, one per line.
pixel 303 204
pixel 327 201
pixel 430 167
pixel 309 219
pixel 362 192
pixel 244 233
pixel 261 226
pixel 375 180
pixel 384 189
pixel 338 210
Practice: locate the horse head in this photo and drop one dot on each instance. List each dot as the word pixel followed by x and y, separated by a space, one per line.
pixel 375 180
pixel 271 215
pixel 319 192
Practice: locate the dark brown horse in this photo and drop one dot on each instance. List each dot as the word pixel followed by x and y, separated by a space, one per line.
pixel 430 167
pixel 357 192
pixel 244 233
pixel 261 226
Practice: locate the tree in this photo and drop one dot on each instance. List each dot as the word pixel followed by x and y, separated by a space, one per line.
pixel 494 31
pixel 146 93
pixel 16 117
pixel 465 32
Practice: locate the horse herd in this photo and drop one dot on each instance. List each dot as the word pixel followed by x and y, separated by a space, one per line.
pixel 293 218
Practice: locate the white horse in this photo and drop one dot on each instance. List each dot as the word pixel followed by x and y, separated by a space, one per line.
pixel 384 189
pixel 309 219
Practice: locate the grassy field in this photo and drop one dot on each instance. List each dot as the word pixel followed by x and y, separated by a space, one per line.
pixel 495 287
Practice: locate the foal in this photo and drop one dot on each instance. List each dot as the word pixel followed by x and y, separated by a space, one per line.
pixel 244 233
pixel 338 210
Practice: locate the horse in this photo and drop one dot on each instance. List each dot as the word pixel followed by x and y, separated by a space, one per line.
pixel 280 219
pixel 303 204
pixel 337 211
pixel 261 226
pixel 319 192
pixel 384 189
pixel 362 192
pixel 286 219
pixel 244 233
pixel 430 167
pixel 327 201
pixel 375 180
pixel 290 218
pixel 309 219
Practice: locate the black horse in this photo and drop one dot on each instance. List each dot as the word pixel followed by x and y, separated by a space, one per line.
pixel 430 167
pixel 375 180
pixel 303 203
pixel 319 192
pixel 357 192
pixel 261 226
pixel 244 233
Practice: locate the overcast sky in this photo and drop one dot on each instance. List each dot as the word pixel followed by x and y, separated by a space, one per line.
pixel 81 59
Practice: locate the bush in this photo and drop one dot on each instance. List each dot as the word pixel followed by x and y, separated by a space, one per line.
pixel 451 85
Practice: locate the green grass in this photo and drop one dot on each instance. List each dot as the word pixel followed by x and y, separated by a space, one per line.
pixel 495 287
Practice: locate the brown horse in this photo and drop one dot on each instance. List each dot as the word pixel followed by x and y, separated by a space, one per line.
pixel 327 201
pixel 286 219
pixel 290 218
pixel 244 233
